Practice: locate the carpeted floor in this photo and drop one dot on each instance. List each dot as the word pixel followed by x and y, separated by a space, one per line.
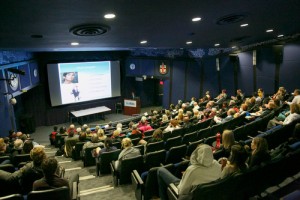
pixel 91 187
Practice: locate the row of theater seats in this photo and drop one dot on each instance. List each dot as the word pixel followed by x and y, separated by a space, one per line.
pixel 17 160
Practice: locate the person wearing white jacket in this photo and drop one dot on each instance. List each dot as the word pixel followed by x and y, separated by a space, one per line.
pixel 203 169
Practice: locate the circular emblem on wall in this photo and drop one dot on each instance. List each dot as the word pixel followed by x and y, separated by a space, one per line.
pixel 132 66
pixel 35 72
pixel 14 81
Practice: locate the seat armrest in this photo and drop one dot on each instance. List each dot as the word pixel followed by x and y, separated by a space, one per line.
pixel 172 192
pixel 138 177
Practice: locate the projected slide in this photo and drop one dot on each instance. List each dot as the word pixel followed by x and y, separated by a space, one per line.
pixel 83 81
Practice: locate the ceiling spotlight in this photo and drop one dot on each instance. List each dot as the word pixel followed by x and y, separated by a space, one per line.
pixel 74 43
pixel 189 42
pixel 109 16
pixel 216 45
pixel 269 30
pixel 280 35
pixel 244 25
pixel 196 19
pixel 233 47
pixel 143 42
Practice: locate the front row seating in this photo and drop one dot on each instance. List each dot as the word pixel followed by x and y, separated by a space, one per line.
pixel 57 193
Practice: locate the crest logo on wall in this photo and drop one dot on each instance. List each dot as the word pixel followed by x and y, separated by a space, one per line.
pixel 163 69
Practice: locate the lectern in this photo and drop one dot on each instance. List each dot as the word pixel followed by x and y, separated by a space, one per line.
pixel 132 106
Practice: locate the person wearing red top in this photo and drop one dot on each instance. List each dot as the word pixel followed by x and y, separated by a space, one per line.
pixel 53 135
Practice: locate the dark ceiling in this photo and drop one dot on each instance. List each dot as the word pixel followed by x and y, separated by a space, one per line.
pixel 40 25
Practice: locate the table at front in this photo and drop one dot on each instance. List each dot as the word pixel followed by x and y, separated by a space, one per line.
pixel 79 114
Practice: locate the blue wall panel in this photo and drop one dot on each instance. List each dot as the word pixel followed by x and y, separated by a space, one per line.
pixel 178 81
pixel 265 70
pixel 290 70
pixel 193 80
pixel 147 67
pixel 227 75
pixel 210 78
pixel 166 92
pixel 133 67
pixel 245 73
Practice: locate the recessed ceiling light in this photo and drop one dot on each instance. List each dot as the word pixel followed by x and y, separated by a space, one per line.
pixel 196 19
pixel 109 16
pixel 244 25
pixel 216 45
pixel 269 30
pixel 280 35
pixel 143 42
pixel 74 43
pixel 189 42
pixel 233 47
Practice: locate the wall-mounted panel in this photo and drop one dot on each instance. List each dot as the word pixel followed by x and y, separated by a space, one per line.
pixel 265 70
pixel 227 74
pixel 193 80
pixel 13 85
pixel 178 81
pixel 210 77
pixel 245 73
pixel 133 67
pixel 146 67
pixel 162 68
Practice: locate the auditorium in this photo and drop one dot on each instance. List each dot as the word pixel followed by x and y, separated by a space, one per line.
pixel 149 100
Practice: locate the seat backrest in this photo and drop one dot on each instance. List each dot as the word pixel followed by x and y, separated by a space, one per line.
pixel 173 141
pixel 17 159
pixel 57 193
pixel 149 133
pixel 154 146
pixel 192 146
pixel 154 159
pixel 76 153
pixel 127 166
pixel 7 167
pixel 12 197
pixel 28 177
pixel 189 137
pixel 204 133
pixel 176 154
pixel 88 159
pixel 105 159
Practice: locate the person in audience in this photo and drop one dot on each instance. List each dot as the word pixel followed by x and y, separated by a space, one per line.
pixel 205 98
pixel 144 129
pixel 128 152
pixel 265 111
pixel 108 146
pixel 296 135
pixel 229 117
pixel 260 96
pixel 84 127
pixel 50 179
pixel 239 97
pixel 154 122
pixel 101 135
pixel 71 128
pixel 186 122
pixel 221 97
pixel 70 142
pixel 53 135
pixel 18 146
pixel 293 116
pixel 27 147
pixel 82 137
pixel 116 136
pixel 164 119
pixel 108 126
pixel 296 98
pixel 228 141
pixel 12 135
pixel 4 153
pixel 172 125
pixel 93 143
pixel 260 152
pixel 156 136
pixel 143 122
pixel 236 162
pixel 202 169
pixel 279 95
pixel 195 106
pixel 243 109
pixel 63 131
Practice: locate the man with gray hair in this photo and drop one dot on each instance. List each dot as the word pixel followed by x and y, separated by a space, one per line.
pixel 296 98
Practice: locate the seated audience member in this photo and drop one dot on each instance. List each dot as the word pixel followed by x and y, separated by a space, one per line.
pixel 101 135
pixel 116 136
pixel 195 106
pixel 154 122
pixel 186 122
pixel 205 98
pixel 82 137
pixel 28 145
pixel 108 126
pixel 221 97
pixel 229 117
pixel 236 162
pixel 239 97
pixel 142 122
pixel 145 128
pixel 53 135
pixel 107 148
pixel 243 109
pixel 164 119
pixel 70 142
pixel 71 128
pixel 4 153
pixel 172 125
pixel 296 134
pixel 265 111
pixel 260 152
pixel 260 96
pixel 18 146
pixel 37 154
pixel 12 135
pixel 93 143
pixel 50 179
pixel 84 127
pixel 63 131
pixel 156 136
pixel 203 169
pixel 227 142
pixel 293 116
pixel 279 95
pixel 127 152
pixel 296 98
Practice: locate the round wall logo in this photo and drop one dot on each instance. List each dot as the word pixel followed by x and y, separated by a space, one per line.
pixel 132 66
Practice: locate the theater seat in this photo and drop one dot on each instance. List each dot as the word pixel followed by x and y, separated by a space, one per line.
pixel 176 154
pixel 103 163
pixel 12 197
pixel 154 159
pixel 61 193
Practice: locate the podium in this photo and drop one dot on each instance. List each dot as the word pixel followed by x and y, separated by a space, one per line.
pixel 132 106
